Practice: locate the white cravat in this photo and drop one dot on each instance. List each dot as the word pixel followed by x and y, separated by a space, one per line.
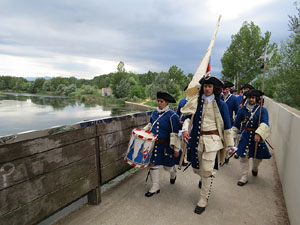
pixel 208 98
pixel 163 110
pixel 250 107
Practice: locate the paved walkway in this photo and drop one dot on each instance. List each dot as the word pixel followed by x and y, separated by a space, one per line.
pixel 259 202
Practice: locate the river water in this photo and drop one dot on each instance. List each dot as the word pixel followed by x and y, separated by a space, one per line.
pixel 24 112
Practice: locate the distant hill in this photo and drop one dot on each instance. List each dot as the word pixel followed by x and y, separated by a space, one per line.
pixel 34 78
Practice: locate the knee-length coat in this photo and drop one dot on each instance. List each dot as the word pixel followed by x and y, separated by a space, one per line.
pixel 246 121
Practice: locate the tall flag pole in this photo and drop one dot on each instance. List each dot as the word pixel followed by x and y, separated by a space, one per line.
pixel 194 85
pixel 265 57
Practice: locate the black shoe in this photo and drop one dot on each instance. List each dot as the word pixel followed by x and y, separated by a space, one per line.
pixel 226 160
pixel 200 184
pixel 199 209
pixel 172 181
pixel 254 173
pixel 236 156
pixel 149 194
pixel 242 183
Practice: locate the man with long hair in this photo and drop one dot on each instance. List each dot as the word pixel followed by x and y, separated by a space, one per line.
pixel 210 135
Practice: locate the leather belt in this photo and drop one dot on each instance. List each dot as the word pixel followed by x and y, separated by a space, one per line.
pixel 161 141
pixel 249 129
pixel 216 132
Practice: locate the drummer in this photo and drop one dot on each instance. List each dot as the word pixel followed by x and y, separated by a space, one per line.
pixel 164 122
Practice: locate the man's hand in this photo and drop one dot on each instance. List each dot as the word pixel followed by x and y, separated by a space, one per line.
pixel 257 138
pixel 230 150
pixel 176 154
pixel 186 136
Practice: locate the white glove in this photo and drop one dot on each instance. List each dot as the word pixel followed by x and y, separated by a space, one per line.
pixel 176 149
pixel 147 127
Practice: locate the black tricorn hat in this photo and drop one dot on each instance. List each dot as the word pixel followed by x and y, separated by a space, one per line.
pixel 248 86
pixel 253 92
pixel 166 96
pixel 211 80
pixel 228 84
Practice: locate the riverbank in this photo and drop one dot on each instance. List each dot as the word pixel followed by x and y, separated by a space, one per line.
pixel 85 98
pixel 141 105
pixel 44 111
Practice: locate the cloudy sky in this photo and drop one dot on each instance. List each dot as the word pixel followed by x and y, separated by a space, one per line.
pixel 89 38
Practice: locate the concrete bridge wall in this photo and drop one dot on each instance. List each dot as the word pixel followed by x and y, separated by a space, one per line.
pixel 43 171
pixel 285 138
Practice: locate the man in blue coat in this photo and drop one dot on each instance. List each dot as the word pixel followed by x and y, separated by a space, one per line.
pixel 165 124
pixel 232 103
pixel 230 99
pixel 210 135
pixel 242 98
pixel 253 131
pixel 181 104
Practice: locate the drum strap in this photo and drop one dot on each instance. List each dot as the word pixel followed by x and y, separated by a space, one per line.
pixel 158 119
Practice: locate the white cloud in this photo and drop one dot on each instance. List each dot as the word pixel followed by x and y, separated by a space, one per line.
pixel 88 38
pixel 66 66
pixel 233 9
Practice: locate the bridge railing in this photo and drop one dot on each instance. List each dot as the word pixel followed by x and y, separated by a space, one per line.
pixel 43 171
pixel 285 138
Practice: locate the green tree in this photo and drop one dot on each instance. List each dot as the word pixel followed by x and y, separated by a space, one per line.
pixel 37 85
pixel 148 78
pixel 163 83
pixel 121 67
pixel 137 91
pixel 102 81
pixel 88 89
pixel 72 80
pixel 176 75
pixel 70 89
pixel 119 82
pixel 20 84
pixel 189 77
pixel 47 86
pixel 9 82
pixel 240 58
pixel 56 81
pixel 122 89
pixel 283 80
pixel 60 89
pixel 2 84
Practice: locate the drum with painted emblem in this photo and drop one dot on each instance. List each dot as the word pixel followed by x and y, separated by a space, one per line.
pixel 140 148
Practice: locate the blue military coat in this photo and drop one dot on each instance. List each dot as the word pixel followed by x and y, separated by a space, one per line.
pixel 233 105
pixel 239 99
pixel 181 104
pixel 168 123
pixel 247 142
pixel 192 153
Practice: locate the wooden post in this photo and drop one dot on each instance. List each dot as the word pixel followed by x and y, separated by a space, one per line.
pixel 94 196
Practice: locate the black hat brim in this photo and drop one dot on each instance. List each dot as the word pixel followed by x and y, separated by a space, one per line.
pixel 228 84
pixel 248 86
pixel 211 80
pixel 166 96
pixel 253 93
